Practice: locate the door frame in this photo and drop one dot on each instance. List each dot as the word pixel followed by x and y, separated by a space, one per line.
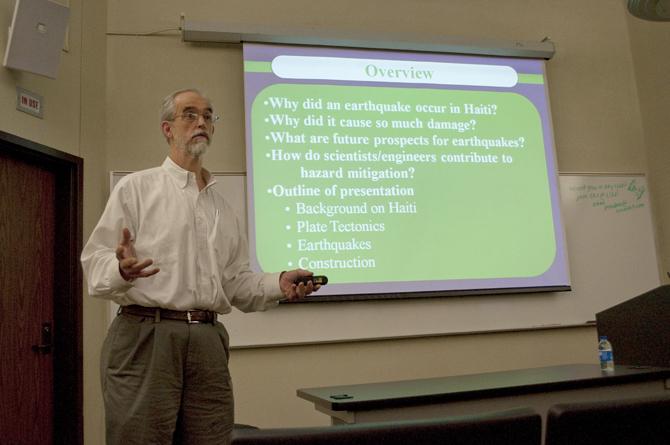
pixel 67 335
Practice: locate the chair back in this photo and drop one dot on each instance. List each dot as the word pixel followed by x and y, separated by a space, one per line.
pixel 519 427
pixel 622 422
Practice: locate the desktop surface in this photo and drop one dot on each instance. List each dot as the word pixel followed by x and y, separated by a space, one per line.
pixel 372 396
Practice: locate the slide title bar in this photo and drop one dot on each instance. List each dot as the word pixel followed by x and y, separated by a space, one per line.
pixel 397 71
pixel 238 33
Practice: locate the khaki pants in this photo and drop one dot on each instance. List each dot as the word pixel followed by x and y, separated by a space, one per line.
pixel 166 382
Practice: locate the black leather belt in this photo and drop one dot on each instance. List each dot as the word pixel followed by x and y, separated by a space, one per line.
pixel 157 313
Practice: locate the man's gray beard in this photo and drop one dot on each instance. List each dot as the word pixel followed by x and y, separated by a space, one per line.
pixel 197 149
pixel 194 148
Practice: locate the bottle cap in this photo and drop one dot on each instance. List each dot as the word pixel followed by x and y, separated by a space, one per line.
pixel 603 337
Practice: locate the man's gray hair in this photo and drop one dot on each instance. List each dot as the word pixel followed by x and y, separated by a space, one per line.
pixel 167 108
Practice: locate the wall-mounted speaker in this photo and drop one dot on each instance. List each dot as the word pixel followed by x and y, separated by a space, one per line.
pixel 36 37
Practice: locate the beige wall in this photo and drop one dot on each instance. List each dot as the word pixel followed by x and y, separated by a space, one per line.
pixel 61 124
pixel 609 94
pixel 650 43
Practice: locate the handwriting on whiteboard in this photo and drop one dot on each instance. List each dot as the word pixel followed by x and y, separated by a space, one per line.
pixel 616 196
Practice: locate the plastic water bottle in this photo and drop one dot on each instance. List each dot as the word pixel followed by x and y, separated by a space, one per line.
pixel 606 356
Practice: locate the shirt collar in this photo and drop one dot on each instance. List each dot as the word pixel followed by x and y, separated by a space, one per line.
pixel 181 176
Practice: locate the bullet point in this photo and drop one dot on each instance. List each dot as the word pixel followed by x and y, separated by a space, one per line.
pixel 288 227
pixel 290 263
pixel 288 209
pixel 267 120
pixel 267 155
pixel 265 103
pixel 270 191
pixel 289 245
pixel 267 138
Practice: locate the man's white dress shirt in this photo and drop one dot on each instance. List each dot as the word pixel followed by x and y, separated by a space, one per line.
pixel 192 235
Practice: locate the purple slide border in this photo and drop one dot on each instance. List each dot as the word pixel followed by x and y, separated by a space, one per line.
pixel 556 277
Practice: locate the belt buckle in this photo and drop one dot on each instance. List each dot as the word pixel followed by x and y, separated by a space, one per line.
pixel 189 320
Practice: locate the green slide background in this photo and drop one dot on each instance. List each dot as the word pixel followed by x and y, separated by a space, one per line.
pixel 473 220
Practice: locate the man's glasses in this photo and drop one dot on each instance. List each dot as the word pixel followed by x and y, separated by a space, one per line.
pixel 192 116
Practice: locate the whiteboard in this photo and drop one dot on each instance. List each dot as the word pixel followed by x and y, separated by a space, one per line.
pixel 611 252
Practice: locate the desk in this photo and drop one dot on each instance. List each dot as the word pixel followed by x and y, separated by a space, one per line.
pixel 537 388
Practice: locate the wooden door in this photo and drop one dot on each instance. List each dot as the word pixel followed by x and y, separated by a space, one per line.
pixel 40 294
pixel 26 302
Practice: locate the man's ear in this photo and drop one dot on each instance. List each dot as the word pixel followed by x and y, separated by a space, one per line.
pixel 166 129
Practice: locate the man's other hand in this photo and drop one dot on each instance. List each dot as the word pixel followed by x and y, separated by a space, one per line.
pixel 129 266
pixel 294 291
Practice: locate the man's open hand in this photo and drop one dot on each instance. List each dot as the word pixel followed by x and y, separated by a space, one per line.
pixel 129 266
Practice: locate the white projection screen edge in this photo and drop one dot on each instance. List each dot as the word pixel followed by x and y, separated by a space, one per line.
pixel 401 174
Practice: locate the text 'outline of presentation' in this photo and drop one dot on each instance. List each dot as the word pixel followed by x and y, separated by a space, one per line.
pixel 395 71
